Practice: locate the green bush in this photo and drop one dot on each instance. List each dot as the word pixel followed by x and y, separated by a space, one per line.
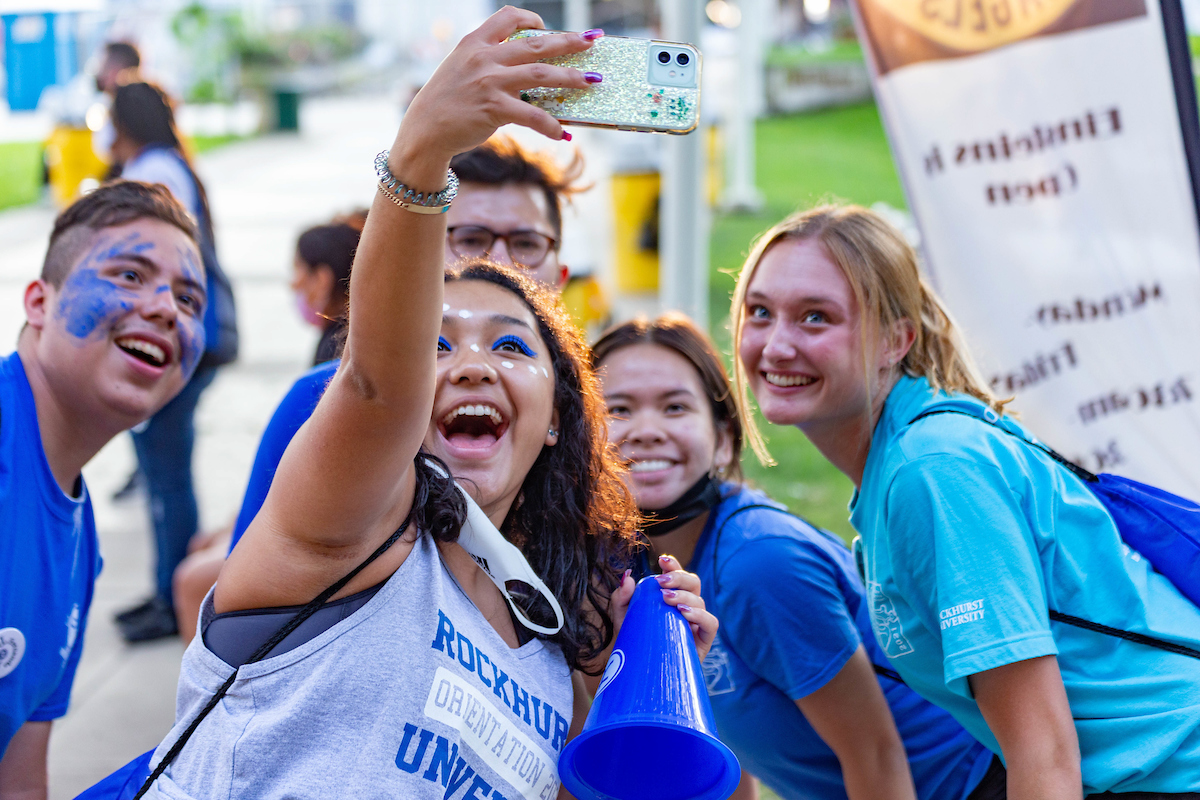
pixel 20 173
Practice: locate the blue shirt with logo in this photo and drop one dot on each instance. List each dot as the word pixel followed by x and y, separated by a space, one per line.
pixel 293 411
pixel 49 560
pixel 792 613
pixel 969 536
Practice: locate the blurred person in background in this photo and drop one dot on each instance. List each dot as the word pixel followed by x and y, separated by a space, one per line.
pixel 800 690
pixel 120 64
pixel 321 281
pixel 148 148
pixel 509 208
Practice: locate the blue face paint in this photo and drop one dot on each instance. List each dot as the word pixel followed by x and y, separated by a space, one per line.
pixel 514 344
pixel 191 344
pixel 89 302
pixel 192 340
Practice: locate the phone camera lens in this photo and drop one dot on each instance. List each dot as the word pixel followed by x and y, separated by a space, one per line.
pixel 682 59
pixel 664 58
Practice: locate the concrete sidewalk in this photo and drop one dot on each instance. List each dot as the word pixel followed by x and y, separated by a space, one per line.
pixel 263 192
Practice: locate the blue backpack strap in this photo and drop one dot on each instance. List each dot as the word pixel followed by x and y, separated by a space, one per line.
pixel 987 415
pixel 886 672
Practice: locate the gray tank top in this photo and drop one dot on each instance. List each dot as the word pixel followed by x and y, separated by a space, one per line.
pixel 413 696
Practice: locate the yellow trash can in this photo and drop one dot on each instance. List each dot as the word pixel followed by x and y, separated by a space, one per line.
pixel 71 160
pixel 635 227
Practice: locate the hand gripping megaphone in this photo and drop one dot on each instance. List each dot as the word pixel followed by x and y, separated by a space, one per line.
pixel 651 717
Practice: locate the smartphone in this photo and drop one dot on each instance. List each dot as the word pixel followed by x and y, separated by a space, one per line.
pixel 648 86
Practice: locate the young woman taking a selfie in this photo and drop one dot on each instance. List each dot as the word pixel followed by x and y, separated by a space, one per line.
pixel 418 679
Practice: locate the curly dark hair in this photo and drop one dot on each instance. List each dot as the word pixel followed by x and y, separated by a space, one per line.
pixel 574 520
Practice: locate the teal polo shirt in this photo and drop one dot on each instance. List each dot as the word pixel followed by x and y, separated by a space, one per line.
pixel 969 536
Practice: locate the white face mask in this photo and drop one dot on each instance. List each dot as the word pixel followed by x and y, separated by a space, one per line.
pixel 504 562
pixel 501 560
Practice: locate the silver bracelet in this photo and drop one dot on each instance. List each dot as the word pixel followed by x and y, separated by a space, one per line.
pixel 409 198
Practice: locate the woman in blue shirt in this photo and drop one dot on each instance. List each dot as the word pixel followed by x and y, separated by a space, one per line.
pixel 791 674
pixel 969 535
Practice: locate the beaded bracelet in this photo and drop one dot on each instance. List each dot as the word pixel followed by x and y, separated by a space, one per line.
pixel 410 199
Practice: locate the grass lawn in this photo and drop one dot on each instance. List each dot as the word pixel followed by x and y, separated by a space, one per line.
pixel 20 173
pixel 202 144
pixel 839 154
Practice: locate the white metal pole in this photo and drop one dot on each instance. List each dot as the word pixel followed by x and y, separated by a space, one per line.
pixel 577 15
pixel 683 210
pixel 740 192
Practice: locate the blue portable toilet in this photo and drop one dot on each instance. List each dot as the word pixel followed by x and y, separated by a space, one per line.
pixel 39 51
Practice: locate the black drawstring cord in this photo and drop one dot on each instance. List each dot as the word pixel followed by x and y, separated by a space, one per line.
pixel 261 653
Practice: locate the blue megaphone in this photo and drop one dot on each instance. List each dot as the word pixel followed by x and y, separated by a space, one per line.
pixel 651 717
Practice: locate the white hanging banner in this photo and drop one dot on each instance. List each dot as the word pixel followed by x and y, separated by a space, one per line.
pixel 1043 154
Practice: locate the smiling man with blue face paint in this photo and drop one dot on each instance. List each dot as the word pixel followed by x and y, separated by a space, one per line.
pixel 114 329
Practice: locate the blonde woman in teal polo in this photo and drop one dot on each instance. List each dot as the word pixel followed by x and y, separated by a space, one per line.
pixel 969 535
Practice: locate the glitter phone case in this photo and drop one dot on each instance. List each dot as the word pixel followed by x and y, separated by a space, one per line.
pixel 639 93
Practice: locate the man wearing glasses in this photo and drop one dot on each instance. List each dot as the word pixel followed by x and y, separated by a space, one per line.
pixel 509 208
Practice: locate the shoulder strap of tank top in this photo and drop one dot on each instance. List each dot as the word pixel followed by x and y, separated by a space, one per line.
pixel 267 647
pixel 886 672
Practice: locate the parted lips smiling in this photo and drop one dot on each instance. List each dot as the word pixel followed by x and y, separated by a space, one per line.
pixel 140 347
pixel 779 379
pixel 473 419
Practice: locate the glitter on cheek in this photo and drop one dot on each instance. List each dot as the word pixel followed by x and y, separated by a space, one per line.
pixel 89 302
pixel 506 364
pixel 532 370
pixel 544 372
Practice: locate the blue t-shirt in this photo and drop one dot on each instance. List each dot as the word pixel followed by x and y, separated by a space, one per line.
pixel 792 613
pixel 969 537
pixel 293 411
pixel 49 560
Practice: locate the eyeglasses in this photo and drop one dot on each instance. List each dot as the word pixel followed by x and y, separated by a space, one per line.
pixel 526 248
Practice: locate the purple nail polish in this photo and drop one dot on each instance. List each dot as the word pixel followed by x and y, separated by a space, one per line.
pixel 593 77
pixel 593 34
pixel 668 592
pixel 682 607
pixel 566 136
pixel 663 580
